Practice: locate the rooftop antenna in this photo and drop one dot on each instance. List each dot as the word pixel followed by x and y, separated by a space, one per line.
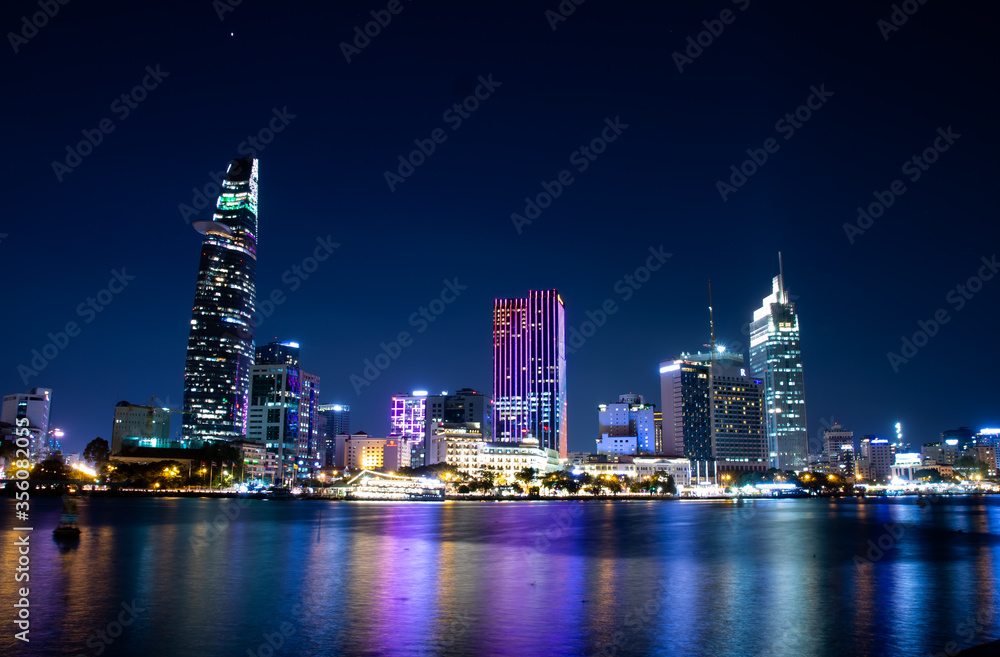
pixel 781 279
pixel 711 322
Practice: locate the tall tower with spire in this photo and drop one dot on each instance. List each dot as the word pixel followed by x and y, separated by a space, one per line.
pixel 776 359
pixel 220 349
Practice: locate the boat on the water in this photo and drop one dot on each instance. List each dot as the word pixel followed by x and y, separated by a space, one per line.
pixel 67 527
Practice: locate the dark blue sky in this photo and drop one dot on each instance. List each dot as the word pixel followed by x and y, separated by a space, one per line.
pixel 324 175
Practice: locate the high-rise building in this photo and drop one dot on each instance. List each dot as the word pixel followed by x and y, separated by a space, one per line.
pixel 220 348
pixel 986 448
pixel 338 418
pixel 685 390
pixel 33 406
pixel 140 426
pixel 964 437
pixel 940 453
pixel 712 413
pixel 529 370
pixel 310 444
pixel 738 441
pixel 627 426
pixel 333 420
pixel 876 459
pixel 838 446
pixel 408 423
pixel 408 414
pixel 275 398
pixel 776 359
pixel 658 432
pixel 464 407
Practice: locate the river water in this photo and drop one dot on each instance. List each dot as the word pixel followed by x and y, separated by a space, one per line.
pixel 208 577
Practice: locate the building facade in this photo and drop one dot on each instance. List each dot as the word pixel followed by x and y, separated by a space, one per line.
pixel 275 398
pixel 529 370
pixel 875 464
pixel 140 426
pixel 332 420
pixel 33 406
pixel 311 444
pixel 364 452
pixel 713 413
pixel 627 426
pixel 776 359
pixel 837 443
pixel 220 350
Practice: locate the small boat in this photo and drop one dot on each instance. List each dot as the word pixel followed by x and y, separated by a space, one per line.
pixel 278 493
pixel 67 527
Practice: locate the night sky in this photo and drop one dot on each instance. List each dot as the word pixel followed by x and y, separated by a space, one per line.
pixel 219 82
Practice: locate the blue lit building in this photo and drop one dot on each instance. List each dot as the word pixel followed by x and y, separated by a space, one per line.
pixel 220 348
pixel 284 410
pixel 776 359
pixel 626 426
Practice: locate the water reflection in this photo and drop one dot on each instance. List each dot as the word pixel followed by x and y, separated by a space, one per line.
pixel 792 577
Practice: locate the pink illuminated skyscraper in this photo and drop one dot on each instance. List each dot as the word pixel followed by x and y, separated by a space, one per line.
pixel 529 369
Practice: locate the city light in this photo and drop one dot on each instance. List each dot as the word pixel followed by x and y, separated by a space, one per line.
pixel 85 469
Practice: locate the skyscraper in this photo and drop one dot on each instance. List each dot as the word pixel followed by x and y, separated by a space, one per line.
pixel 712 413
pixel 529 370
pixel 275 395
pixel 220 349
pixel 776 359
pixel 284 409
pixel 838 445
pixel 465 405
pixel 332 420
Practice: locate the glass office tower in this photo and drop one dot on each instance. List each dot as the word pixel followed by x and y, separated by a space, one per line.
pixel 220 346
pixel 529 370
pixel 776 358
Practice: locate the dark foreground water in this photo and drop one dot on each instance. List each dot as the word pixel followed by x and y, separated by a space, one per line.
pixel 775 577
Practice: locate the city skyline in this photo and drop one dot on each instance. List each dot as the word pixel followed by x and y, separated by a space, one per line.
pixel 582 442
pixel 451 217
